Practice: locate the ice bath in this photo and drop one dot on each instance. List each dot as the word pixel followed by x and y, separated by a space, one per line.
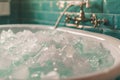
pixel 38 52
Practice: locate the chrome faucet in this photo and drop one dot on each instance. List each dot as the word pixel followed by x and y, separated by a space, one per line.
pixel 81 17
pixel 74 3
pixel 96 22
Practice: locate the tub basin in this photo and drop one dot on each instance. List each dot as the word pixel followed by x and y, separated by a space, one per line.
pixel 75 54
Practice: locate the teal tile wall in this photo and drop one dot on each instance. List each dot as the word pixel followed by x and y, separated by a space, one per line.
pixel 14 12
pixel 46 12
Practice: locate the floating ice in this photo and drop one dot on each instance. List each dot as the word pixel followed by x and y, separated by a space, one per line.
pixel 20 73
pixel 49 54
pixel 51 75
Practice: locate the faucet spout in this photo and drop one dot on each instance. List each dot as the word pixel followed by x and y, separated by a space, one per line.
pixel 59 18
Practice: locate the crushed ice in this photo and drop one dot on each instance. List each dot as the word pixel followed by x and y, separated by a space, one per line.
pixel 49 54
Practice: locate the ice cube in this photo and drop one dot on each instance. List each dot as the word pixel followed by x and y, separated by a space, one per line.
pixel 69 51
pixel 53 75
pixel 7 36
pixel 5 63
pixel 20 73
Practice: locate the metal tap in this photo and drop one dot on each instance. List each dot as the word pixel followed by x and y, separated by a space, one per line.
pixel 68 19
pixel 74 3
pixel 96 22
pixel 81 17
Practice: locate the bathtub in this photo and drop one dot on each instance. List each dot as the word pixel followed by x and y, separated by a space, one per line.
pixel 108 42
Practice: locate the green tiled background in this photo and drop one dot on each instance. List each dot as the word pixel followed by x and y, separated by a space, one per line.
pixel 46 12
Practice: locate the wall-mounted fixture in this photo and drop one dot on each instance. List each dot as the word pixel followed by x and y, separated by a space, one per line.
pixel 96 22
pixel 81 17
pixel 60 4
pixel 4 7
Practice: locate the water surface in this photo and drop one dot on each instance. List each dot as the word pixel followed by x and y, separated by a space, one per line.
pixel 49 54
